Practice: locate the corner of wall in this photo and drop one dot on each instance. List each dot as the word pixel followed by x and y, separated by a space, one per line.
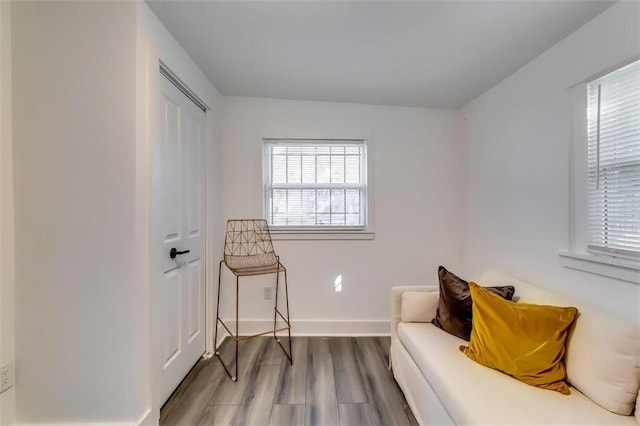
pixel 463 184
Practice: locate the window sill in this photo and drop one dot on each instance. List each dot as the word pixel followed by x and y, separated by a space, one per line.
pixel 621 269
pixel 280 235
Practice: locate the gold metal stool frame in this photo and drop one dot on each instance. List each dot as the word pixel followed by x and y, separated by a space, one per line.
pixel 248 251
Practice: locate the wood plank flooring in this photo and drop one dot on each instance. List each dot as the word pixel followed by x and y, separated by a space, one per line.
pixel 334 381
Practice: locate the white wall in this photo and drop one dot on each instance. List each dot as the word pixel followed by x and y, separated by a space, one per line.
pixel 81 318
pixel 7 255
pixel 417 214
pixel 84 116
pixel 516 141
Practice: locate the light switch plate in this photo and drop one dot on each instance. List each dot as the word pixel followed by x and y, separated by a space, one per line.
pixel 268 292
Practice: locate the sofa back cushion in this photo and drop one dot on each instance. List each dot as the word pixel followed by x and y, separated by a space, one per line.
pixel 603 360
pixel 603 352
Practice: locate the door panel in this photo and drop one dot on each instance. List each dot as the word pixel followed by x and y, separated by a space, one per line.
pixel 178 222
pixel 170 179
pixel 194 172
pixel 195 298
pixel 171 308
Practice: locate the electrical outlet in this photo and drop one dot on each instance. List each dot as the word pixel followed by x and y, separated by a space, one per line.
pixel 268 292
pixel 6 377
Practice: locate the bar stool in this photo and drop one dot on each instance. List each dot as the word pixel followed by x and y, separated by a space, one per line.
pixel 248 250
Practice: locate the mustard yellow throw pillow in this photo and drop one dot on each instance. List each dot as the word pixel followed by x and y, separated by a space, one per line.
pixel 523 340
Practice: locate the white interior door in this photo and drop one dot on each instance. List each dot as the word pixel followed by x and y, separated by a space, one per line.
pixel 178 223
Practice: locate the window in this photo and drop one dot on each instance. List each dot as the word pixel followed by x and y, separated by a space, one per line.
pixel 315 184
pixel 613 157
pixel 604 227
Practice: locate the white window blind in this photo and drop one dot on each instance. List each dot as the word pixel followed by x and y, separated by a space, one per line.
pixel 315 183
pixel 614 162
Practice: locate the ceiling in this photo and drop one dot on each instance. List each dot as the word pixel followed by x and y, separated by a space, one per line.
pixel 438 54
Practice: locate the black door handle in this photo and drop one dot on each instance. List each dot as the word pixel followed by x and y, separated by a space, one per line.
pixel 174 252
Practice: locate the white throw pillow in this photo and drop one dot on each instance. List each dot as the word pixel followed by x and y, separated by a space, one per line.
pixel 419 306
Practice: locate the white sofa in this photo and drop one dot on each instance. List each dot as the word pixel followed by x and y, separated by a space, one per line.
pixel 443 386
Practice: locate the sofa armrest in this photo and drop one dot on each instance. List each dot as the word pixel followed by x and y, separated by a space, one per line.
pixel 396 302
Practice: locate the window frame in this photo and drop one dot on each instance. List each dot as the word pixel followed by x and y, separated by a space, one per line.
pixel 578 254
pixel 301 232
pixel 612 165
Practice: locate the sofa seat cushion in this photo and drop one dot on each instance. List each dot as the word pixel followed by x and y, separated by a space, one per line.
pixel 474 394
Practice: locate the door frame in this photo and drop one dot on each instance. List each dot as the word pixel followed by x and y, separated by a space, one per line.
pixel 164 71
pixel 182 318
pixel 148 95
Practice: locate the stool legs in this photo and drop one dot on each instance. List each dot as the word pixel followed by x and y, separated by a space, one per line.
pixel 235 379
pixel 236 337
pixel 218 320
pixel 286 294
pixel 215 328
pixel 275 306
pixel 276 312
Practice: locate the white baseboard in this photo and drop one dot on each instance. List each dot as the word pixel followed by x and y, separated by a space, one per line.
pixel 81 424
pixel 222 334
pixel 145 419
pixel 314 327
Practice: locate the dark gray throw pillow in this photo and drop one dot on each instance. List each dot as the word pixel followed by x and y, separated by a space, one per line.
pixel 454 305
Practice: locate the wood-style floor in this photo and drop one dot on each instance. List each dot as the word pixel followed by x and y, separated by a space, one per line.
pixel 333 381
